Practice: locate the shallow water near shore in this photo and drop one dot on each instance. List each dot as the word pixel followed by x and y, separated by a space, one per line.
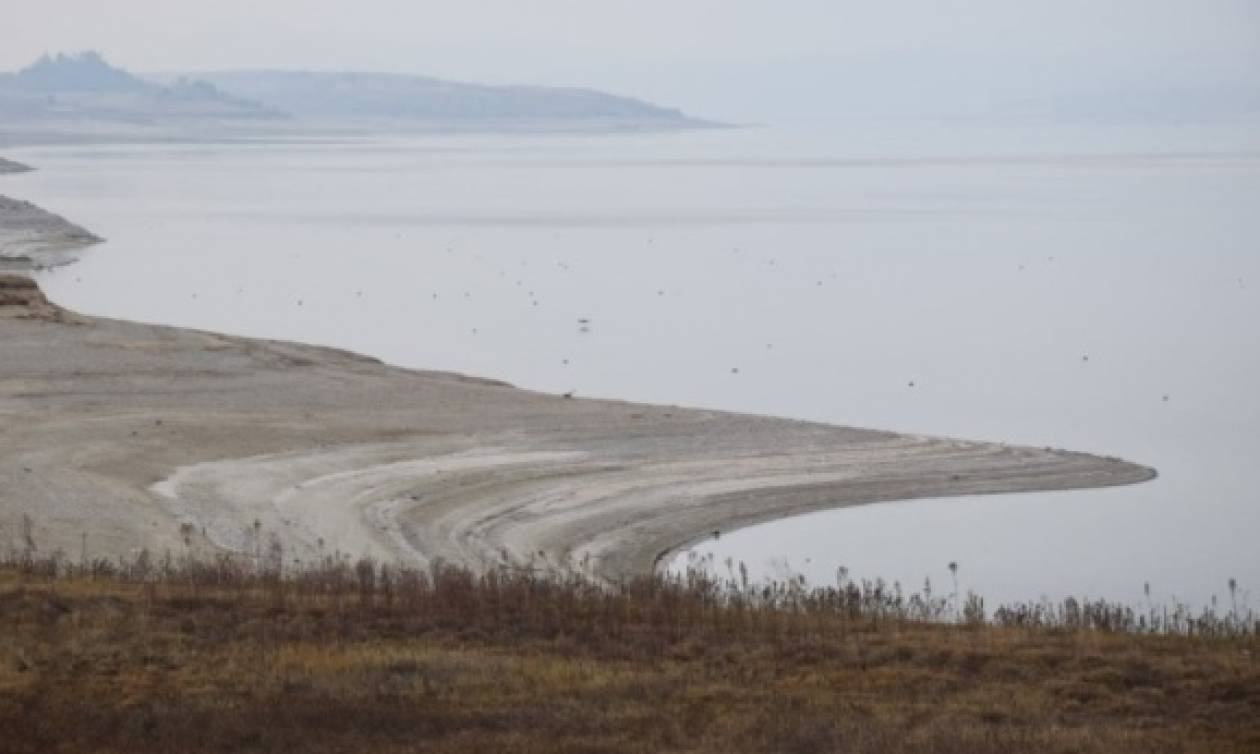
pixel 1089 288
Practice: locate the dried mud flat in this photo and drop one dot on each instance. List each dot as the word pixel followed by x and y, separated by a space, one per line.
pixel 118 436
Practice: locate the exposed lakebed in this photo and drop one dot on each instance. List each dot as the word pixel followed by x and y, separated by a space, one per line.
pixel 1091 291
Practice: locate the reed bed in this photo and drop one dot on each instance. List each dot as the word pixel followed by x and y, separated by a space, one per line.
pixel 230 653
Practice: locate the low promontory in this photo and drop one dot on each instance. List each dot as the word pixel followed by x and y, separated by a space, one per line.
pixel 116 436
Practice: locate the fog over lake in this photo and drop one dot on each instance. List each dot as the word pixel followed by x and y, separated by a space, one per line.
pixel 1091 288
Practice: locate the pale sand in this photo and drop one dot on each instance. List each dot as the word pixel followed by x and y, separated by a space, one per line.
pixel 125 431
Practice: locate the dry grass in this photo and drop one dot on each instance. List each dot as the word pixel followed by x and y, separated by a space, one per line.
pixel 220 657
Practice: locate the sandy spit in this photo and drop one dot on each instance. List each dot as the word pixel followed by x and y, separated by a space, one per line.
pixel 33 237
pixel 140 436
pixel 9 166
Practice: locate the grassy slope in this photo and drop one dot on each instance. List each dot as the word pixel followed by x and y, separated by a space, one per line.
pixel 456 664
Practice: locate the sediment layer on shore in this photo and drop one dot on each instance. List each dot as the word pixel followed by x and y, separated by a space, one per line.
pixel 124 436
pixel 35 237
pixel 9 166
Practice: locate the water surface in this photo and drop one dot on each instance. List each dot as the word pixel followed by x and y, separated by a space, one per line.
pixel 1087 288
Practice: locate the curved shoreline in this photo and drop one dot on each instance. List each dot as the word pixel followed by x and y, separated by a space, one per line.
pixel 154 437
pixel 663 558
pixel 9 166
pixel 34 238
pixel 117 436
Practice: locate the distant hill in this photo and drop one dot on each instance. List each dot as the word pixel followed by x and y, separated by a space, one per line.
pixel 421 98
pixel 85 72
pixel 61 97
pixel 84 86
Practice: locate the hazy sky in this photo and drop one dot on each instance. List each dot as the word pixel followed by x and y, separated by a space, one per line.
pixel 747 59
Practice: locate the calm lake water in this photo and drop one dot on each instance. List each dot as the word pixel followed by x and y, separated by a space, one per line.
pixel 1089 288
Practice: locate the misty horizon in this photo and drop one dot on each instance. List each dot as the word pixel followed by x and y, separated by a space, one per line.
pixel 736 62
